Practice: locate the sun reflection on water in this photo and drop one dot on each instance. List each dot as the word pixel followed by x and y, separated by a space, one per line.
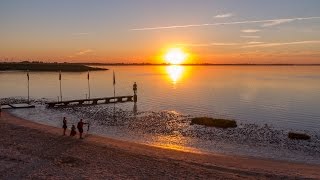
pixel 175 72
pixel 177 143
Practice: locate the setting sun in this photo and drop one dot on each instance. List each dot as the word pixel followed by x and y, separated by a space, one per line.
pixel 175 56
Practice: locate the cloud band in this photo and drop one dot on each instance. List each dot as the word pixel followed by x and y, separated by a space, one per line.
pixel 267 23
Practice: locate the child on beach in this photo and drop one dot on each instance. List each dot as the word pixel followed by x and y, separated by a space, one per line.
pixel 80 127
pixel 73 131
pixel 64 126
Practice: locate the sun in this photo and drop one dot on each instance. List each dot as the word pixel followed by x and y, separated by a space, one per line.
pixel 175 56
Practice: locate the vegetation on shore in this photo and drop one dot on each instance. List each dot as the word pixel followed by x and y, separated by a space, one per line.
pixel 298 136
pixel 211 122
pixel 40 66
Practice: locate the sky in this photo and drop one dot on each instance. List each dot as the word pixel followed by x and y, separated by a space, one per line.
pixel 136 31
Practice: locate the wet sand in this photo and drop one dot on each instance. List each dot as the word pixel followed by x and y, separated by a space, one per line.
pixel 33 151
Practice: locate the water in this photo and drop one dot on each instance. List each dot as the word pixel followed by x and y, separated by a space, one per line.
pixel 266 101
pixel 280 96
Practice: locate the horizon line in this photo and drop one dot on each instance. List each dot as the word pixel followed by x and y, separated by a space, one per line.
pixel 162 64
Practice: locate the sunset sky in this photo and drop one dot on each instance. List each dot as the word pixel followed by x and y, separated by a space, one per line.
pixel 210 31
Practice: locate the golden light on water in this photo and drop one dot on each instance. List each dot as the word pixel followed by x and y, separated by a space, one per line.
pixel 177 143
pixel 175 56
pixel 175 72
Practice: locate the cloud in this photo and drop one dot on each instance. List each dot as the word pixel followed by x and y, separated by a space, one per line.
pixel 277 22
pixel 83 52
pixel 251 37
pixel 250 30
pixel 224 15
pixel 220 44
pixel 255 42
pixel 267 23
pixel 80 34
pixel 282 21
pixel 251 44
pixel 210 44
pixel 282 44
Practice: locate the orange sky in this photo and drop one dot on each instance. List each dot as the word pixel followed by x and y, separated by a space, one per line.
pixel 209 31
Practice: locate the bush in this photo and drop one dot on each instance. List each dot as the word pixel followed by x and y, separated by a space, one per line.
pixel 211 122
pixel 299 136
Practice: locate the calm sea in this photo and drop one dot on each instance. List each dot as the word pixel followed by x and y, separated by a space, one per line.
pixel 280 96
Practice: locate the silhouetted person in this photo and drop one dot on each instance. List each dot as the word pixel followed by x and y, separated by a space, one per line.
pixel 80 127
pixel 64 126
pixel 135 87
pixel 73 131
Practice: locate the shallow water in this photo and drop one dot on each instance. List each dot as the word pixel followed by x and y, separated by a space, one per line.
pixel 266 101
pixel 285 97
pixel 172 130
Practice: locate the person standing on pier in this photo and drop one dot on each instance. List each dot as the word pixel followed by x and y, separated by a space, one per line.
pixel 64 126
pixel 80 128
pixel 135 87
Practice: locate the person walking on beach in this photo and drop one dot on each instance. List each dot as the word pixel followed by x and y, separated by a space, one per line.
pixel 64 126
pixel 80 127
pixel 135 87
pixel 73 131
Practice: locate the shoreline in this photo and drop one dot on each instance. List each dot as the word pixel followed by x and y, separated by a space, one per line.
pixel 47 67
pixel 130 157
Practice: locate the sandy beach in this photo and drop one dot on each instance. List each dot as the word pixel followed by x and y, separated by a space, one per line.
pixel 34 151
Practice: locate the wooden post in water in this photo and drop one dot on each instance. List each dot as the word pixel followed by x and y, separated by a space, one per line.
pixel 88 83
pixel 135 98
pixel 28 86
pixel 135 88
pixel 114 94
pixel 60 86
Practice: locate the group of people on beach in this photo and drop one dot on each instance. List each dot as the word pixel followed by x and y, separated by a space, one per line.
pixel 73 131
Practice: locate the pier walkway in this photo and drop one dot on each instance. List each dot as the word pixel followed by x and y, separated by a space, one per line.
pixel 94 101
pixel 16 106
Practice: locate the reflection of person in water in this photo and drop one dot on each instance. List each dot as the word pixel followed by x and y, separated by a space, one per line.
pixel 135 109
pixel 135 87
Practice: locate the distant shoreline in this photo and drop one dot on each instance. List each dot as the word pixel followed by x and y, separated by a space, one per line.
pixel 88 64
pixel 83 67
pixel 54 67
pixel 204 64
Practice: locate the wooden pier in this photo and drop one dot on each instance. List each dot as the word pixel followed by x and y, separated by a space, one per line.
pixel 16 106
pixel 94 101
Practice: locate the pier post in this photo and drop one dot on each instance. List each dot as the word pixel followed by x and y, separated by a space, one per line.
pixel 28 87
pixel 135 88
pixel 135 98
pixel 60 85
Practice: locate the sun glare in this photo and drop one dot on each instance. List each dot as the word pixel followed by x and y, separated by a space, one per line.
pixel 175 72
pixel 175 56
